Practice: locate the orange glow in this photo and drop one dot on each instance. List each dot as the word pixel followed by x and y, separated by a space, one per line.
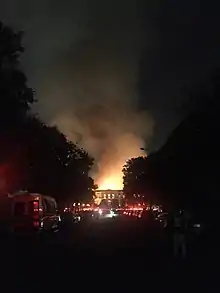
pixel 110 165
pixel 113 182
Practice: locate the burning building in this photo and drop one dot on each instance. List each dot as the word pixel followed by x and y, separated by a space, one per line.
pixel 110 195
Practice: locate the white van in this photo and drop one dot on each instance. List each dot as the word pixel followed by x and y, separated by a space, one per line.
pixel 33 210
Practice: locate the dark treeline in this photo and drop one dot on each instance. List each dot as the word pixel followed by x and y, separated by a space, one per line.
pixel 33 155
pixel 185 171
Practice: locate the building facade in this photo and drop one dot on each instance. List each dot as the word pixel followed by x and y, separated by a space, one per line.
pixel 110 195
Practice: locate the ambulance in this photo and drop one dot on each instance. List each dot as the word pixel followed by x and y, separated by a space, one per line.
pixel 34 211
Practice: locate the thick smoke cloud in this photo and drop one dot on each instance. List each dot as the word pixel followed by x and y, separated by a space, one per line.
pixel 85 64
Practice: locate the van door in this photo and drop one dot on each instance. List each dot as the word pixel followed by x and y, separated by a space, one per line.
pixel 19 209
pixel 20 219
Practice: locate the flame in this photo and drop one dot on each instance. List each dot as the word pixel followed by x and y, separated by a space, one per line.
pixel 114 182
pixel 110 166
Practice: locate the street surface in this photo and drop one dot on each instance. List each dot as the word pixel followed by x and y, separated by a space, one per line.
pixel 106 255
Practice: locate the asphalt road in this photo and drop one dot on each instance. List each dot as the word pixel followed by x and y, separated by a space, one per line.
pixel 105 255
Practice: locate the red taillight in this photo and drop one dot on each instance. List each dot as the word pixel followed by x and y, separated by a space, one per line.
pixel 36 206
pixel 36 224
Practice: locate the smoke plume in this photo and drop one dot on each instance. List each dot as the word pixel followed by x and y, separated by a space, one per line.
pixel 87 81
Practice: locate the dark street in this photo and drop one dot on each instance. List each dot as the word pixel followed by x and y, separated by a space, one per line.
pixel 122 252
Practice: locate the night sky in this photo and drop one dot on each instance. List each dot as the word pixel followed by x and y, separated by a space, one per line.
pixel 177 42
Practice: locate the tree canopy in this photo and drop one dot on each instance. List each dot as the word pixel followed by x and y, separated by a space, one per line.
pixel 56 166
pixel 34 155
pixel 15 96
pixel 184 171
pixel 134 176
pixel 140 178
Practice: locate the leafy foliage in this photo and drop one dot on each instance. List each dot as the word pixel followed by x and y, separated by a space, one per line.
pixel 185 170
pixel 34 156
pixel 15 96
pixel 134 176
pixel 56 166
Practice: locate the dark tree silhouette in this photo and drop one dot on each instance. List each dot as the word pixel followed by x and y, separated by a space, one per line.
pixel 15 100
pixel 33 155
pixel 135 179
pixel 192 151
pixel 15 96
pixel 184 172
pixel 188 163
pixel 140 179
pixel 55 165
